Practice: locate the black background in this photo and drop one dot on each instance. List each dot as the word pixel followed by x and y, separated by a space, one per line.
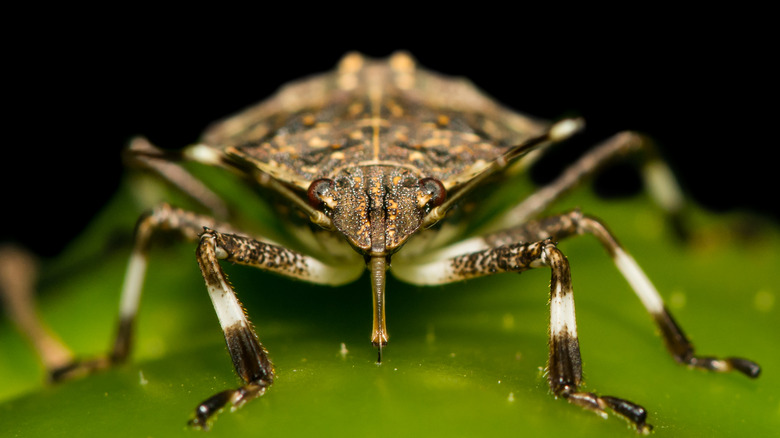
pixel 701 85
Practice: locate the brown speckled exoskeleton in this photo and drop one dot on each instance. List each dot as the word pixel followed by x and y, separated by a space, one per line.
pixel 379 156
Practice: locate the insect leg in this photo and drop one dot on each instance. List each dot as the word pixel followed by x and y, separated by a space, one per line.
pixel 575 223
pixel 187 226
pixel 142 154
pixel 18 270
pixel 676 342
pixel 565 363
pixel 250 358
pixel 658 179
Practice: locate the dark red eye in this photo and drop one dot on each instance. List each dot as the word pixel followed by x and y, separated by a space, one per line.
pixel 320 191
pixel 435 189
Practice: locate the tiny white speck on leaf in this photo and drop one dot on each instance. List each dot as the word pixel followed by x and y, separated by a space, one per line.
pixel 343 350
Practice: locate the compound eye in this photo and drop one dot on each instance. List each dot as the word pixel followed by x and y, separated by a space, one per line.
pixel 432 193
pixel 321 192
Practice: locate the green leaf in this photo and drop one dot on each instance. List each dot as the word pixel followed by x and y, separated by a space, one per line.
pixel 464 360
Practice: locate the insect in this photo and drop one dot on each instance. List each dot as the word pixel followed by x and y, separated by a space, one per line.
pixel 374 163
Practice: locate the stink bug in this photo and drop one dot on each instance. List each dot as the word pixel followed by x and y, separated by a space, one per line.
pixel 374 163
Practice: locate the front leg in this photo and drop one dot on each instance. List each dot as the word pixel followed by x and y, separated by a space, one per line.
pixel 501 252
pixel 250 358
pixel 565 363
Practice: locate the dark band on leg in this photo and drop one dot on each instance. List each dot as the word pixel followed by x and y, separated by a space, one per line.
pixel 250 358
pixel 565 364
pixel 682 350
pixel 123 341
